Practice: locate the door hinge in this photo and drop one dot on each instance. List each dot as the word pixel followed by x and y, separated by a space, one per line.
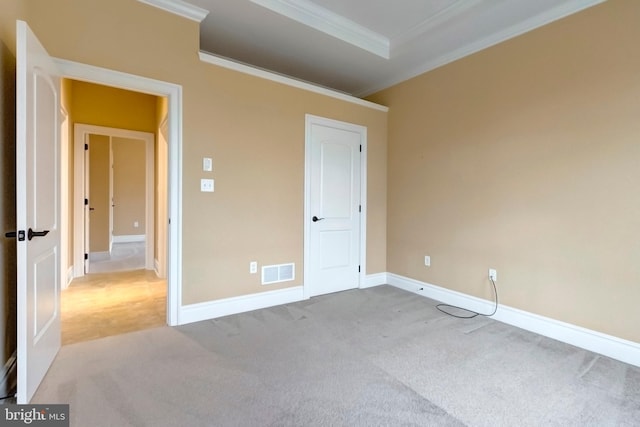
pixel 86 257
pixel 358 269
pixel 359 208
pixel 86 146
pixel 86 202
pixel 361 148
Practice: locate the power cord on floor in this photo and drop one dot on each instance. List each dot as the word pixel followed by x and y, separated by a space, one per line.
pixel 12 393
pixel 473 313
pixel 10 396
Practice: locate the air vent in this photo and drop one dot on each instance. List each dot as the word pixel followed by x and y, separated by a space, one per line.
pixel 278 273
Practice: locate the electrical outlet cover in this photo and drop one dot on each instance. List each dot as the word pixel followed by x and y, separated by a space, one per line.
pixel 206 185
pixel 207 164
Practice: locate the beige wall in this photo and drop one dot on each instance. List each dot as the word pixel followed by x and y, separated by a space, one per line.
pixel 129 190
pixel 526 158
pixel 253 129
pixel 8 200
pixel 99 193
pixel 523 157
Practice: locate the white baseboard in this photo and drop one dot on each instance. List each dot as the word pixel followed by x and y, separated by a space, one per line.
pixel 130 238
pixel 7 374
pixel 225 307
pixel 372 280
pixel 67 282
pixel 607 345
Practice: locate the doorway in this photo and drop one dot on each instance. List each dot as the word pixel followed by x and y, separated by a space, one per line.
pixel 114 202
pixel 115 289
pixel 41 314
pixel 335 206
pixel 173 224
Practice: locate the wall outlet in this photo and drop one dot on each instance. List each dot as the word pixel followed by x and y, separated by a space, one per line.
pixel 427 260
pixel 493 275
pixel 206 185
pixel 136 224
pixel 253 267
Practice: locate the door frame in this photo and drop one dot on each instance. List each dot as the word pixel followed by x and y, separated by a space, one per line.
pixel 311 120
pixel 173 93
pixel 80 132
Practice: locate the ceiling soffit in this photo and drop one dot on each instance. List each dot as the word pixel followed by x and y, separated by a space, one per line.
pixel 321 19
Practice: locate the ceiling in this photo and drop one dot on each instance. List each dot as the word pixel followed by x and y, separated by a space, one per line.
pixel 362 46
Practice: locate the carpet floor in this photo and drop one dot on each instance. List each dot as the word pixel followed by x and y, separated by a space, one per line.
pixel 373 357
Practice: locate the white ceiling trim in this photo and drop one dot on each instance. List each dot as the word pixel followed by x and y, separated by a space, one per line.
pixel 180 8
pixel 549 16
pixel 439 18
pixel 321 19
pixel 279 78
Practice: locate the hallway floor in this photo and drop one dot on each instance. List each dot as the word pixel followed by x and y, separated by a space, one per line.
pixel 123 257
pixel 101 305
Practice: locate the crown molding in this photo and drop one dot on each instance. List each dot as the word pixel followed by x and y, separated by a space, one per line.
pixel 439 18
pixel 180 8
pixel 537 21
pixel 279 78
pixel 321 19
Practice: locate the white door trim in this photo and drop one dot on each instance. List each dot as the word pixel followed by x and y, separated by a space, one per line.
pixel 80 132
pixel 362 130
pixel 65 219
pixel 173 92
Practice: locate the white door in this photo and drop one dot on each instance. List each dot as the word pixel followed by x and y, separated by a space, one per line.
pixel 37 211
pixel 334 205
pixel 87 206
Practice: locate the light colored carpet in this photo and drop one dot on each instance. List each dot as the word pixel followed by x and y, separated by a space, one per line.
pixel 374 357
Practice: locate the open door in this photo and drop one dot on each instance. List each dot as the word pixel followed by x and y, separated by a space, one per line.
pixel 37 211
pixel 87 206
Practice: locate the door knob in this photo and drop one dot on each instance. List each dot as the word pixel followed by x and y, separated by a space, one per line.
pixel 31 234
pixel 316 219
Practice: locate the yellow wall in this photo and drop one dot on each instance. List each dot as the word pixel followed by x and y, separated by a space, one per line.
pixel 129 190
pixel 253 129
pixel 160 182
pixel 526 158
pixel 112 107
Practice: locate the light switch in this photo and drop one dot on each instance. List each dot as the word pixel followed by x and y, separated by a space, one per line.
pixel 206 185
pixel 207 164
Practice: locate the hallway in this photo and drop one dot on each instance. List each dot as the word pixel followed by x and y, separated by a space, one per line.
pixel 101 305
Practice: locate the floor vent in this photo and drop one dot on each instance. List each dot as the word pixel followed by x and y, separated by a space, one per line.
pixel 278 273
